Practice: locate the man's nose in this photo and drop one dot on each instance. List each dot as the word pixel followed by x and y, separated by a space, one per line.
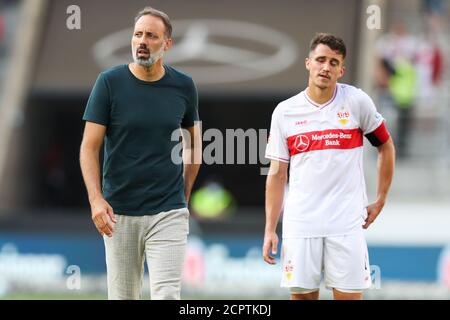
pixel 143 41
pixel 326 66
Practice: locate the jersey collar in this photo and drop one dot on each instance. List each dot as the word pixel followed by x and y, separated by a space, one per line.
pixel 321 106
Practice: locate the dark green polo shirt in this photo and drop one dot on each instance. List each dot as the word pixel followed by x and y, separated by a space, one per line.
pixel 139 176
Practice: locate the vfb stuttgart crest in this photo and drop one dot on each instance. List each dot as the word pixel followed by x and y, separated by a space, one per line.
pixel 288 269
pixel 343 117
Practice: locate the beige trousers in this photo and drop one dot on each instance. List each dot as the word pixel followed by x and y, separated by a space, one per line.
pixel 161 240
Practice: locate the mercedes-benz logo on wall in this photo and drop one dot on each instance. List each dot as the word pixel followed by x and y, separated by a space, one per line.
pixel 213 51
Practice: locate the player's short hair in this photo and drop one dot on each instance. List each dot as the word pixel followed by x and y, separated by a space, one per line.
pixel 333 42
pixel 159 14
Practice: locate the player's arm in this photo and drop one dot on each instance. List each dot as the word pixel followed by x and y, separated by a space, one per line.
pixel 375 130
pixel 192 157
pixel 275 185
pixel 101 211
pixel 385 172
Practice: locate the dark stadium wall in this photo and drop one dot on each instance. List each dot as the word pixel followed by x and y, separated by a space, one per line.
pixel 53 132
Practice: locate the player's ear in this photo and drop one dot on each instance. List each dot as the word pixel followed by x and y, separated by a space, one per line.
pixel 307 62
pixel 342 72
pixel 168 44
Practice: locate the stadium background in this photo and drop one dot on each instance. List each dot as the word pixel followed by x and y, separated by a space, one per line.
pixel 246 56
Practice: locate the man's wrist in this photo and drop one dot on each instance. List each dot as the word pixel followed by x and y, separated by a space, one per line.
pixel 95 197
pixel 381 200
pixel 269 230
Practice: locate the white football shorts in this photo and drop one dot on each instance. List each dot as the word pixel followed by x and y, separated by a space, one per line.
pixel 343 260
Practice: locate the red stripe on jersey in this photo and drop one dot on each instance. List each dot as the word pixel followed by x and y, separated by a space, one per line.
pixel 381 133
pixel 323 140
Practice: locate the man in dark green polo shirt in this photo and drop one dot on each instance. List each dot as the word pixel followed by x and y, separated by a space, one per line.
pixel 141 208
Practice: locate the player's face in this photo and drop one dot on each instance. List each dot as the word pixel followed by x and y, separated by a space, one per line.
pixel 325 67
pixel 149 42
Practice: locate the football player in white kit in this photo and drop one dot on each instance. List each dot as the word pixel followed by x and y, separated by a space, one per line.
pixel 319 133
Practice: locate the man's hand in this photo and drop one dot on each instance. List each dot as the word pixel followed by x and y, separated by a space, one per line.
pixel 270 244
pixel 103 216
pixel 373 211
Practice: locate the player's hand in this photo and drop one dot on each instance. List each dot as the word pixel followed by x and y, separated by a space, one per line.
pixel 103 216
pixel 270 246
pixel 373 211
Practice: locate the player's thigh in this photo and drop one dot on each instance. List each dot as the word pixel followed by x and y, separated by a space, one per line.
pixel 165 251
pixel 125 258
pixel 346 262
pixel 125 249
pixel 302 261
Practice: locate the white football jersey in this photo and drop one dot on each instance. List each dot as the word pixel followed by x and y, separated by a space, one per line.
pixel 324 146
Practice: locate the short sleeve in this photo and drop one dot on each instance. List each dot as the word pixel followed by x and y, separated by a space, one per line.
pixel 277 148
pixel 99 104
pixel 369 119
pixel 372 123
pixel 191 114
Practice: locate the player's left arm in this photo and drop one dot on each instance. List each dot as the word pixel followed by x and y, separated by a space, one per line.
pixel 385 172
pixel 192 156
pixel 374 127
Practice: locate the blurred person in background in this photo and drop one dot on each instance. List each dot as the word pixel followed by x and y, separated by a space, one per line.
pixel 429 58
pixel 141 211
pixel 319 134
pixel 54 180
pixel 409 71
pixel 397 77
pixel 212 201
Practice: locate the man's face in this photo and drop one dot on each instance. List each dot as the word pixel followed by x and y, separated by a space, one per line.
pixel 149 41
pixel 325 66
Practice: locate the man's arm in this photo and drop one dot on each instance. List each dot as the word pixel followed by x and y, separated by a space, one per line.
pixel 385 168
pixel 276 182
pixel 192 157
pixel 102 212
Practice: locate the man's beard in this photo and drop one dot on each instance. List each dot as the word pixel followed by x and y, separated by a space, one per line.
pixel 152 58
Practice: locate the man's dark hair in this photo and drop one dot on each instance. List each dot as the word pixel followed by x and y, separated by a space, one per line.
pixel 159 14
pixel 333 42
